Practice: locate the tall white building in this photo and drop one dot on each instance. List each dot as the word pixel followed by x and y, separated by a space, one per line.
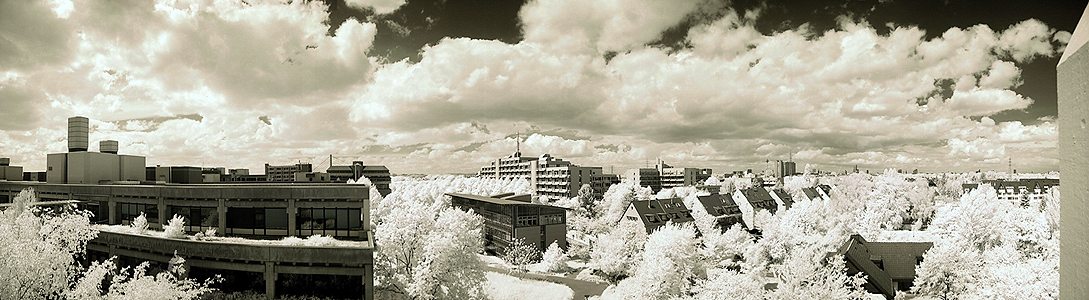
pixel 666 176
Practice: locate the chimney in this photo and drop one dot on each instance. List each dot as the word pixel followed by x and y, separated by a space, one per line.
pixel 108 146
pixel 77 134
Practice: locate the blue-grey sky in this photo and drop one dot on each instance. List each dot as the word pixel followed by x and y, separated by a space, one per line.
pixel 445 86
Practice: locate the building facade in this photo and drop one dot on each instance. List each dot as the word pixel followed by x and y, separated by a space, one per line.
pixel 655 213
pixel 287 172
pixel 256 211
pixel 666 176
pixel 549 176
pixel 508 217
pixel 1019 191
pixel 1072 89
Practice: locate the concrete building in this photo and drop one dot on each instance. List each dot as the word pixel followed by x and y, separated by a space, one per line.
pixel 646 177
pixel 214 174
pixel 379 175
pixel 9 172
pixel 34 176
pixel 1072 83
pixel 265 211
pixel 285 173
pixel 80 166
pixel 311 177
pixel 655 213
pixel 666 176
pixel 508 217
pixel 784 169
pixel 549 176
pixel 723 208
pixel 175 174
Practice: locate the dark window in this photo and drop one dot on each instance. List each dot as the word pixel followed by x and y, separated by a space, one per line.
pixel 240 217
pixel 276 218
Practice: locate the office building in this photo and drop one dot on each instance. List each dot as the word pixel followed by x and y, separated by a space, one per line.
pixel 175 174
pixel 784 169
pixel 508 217
pixel 34 176
pixel 655 213
pixel 550 177
pixel 378 175
pixel 1072 83
pixel 311 177
pixel 285 173
pixel 666 176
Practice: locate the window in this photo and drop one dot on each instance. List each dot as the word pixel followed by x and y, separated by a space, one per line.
pixel 651 218
pixel 328 221
pixel 527 221
pixel 551 219
pixel 197 218
pixel 663 217
pixel 129 212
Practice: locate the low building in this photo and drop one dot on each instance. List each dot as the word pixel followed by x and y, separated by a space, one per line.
pixel 175 174
pixel 754 199
pixel 34 176
pixel 378 175
pixel 723 208
pixel 819 192
pixel 311 177
pixel 508 217
pixel 1022 191
pixel 259 211
pixel 782 198
pixel 9 172
pixel 655 213
pixel 889 265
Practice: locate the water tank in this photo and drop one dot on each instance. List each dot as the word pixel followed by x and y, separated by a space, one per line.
pixel 108 146
pixel 77 134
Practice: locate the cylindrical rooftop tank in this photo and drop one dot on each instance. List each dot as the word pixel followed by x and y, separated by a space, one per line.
pixel 108 146
pixel 77 134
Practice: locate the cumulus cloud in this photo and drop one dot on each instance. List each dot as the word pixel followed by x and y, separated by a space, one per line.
pixel 379 6
pixel 601 25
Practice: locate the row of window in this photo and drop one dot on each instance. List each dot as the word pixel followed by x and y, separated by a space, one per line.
pixel 664 217
pixel 129 211
pixel 315 220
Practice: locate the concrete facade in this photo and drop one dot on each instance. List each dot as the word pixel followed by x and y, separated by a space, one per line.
pixel 549 176
pixel 1073 92
pixel 305 210
pixel 285 173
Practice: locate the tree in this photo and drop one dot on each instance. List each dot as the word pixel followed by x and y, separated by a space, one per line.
pixel 618 251
pixel 40 249
pixel 554 259
pixel 519 254
pixel 586 200
pixel 669 267
pixel 427 254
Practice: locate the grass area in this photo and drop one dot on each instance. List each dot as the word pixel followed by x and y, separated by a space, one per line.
pixel 504 287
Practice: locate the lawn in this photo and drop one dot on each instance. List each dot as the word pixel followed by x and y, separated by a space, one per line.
pixel 504 287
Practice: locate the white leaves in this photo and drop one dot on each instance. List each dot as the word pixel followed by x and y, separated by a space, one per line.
pixel 139 224
pixel 175 228
pixel 554 259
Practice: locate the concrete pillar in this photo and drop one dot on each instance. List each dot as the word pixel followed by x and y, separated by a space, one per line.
pixel 368 282
pixel 222 210
pixel 1073 92
pixel 113 211
pixel 270 280
pixel 291 213
pixel 164 216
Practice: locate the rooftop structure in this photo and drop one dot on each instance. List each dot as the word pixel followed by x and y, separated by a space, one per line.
pixel 509 217
pixel 655 213
pixel 889 262
pixel 80 166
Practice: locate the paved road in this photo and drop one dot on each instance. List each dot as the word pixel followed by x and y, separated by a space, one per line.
pixel 581 288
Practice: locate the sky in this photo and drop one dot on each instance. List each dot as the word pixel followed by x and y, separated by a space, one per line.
pixel 447 86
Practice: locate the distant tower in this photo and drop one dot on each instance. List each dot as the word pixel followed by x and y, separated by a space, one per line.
pixel 77 134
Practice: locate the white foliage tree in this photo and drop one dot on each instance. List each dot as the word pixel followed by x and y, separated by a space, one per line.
pixel 520 253
pixel 669 268
pixel 617 252
pixel 554 259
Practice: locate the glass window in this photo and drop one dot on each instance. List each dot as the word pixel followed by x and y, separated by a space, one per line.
pixel 354 219
pixel 152 213
pixel 276 218
pixel 342 219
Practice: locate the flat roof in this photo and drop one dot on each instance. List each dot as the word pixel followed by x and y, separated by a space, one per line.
pixel 497 200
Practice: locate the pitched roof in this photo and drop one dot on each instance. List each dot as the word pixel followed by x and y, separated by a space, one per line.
pixel 496 200
pixel 811 193
pixel 654 213
pixel 716 200
pixel 783 195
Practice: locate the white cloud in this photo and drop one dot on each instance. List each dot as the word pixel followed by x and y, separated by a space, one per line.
pixel 379 6
pixel 600 25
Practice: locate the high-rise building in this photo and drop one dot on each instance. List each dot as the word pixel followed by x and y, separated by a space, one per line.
pixel 1072 82
pixel 549 176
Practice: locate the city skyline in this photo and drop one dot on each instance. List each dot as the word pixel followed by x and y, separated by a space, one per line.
pixel 423 87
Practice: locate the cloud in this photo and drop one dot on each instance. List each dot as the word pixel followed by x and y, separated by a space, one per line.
pixel 379 6
pixel 601 25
